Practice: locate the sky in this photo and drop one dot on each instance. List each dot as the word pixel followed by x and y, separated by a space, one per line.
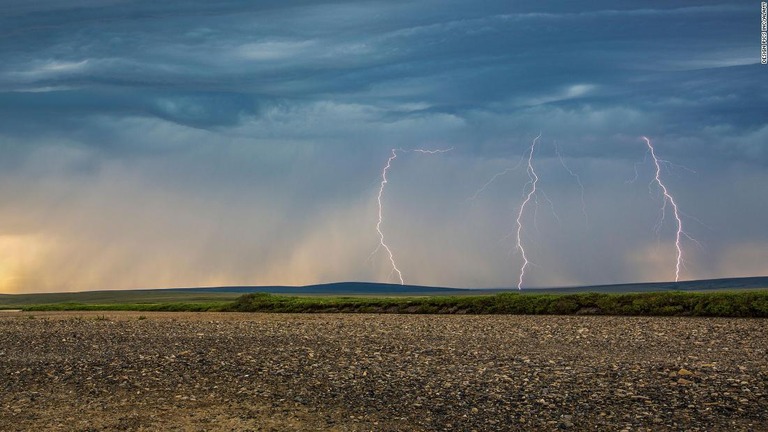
pixel 148 144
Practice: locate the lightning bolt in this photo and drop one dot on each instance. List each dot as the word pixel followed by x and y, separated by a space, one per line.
pixel 532 180
pixel 634 166
pixel 495 176
pixel 382 243
pixel 578 181
pixel 532 197
pixel 668 199
pixel 427 151
pixel 384 181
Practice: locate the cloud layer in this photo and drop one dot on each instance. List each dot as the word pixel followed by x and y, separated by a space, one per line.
pixel 149 144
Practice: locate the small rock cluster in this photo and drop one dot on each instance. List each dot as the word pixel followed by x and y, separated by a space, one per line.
pixel 225 371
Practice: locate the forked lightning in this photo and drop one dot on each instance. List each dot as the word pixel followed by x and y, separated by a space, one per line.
pixel 384 181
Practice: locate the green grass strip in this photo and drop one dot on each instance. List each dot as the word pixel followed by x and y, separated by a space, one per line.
pixel 721 304
pixel 148 307
pixel 737 304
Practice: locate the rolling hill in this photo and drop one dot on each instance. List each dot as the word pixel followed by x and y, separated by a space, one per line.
pixel 228 293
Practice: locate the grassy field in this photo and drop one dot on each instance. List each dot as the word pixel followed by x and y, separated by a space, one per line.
pixel 102 298
pixel 720 304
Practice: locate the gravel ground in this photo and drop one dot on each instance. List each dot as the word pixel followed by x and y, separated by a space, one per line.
pixel 219 372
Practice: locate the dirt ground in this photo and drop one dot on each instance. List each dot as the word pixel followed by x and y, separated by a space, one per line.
pixel 83 371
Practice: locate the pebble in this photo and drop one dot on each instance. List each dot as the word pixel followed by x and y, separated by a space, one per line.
pixel 228 371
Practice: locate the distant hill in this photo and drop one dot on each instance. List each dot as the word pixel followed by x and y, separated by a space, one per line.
pixel 725 284
pixel 229 293
pixel 338 288
pixel 373 288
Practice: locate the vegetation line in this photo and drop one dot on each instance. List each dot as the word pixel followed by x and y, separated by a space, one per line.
pixel 148 307
pixel 735 304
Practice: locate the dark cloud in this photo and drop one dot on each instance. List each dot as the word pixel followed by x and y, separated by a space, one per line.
pixel 245 140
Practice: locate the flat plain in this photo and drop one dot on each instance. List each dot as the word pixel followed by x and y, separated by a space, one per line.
pixel 146 371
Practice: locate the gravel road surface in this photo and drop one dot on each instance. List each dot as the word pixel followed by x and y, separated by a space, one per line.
pixel 83 371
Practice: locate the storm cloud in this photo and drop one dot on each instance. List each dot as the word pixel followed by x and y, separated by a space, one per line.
pixel 156 144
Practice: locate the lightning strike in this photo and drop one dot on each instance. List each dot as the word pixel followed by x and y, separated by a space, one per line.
pixel 494 177
pixel 384 181
pixel 637 173
pixel 533 179
pixel 668 199
pixel 578 181
pixel 532 197
pixel 552 207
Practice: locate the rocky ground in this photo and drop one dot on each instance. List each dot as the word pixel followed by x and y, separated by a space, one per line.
pixel 220 372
